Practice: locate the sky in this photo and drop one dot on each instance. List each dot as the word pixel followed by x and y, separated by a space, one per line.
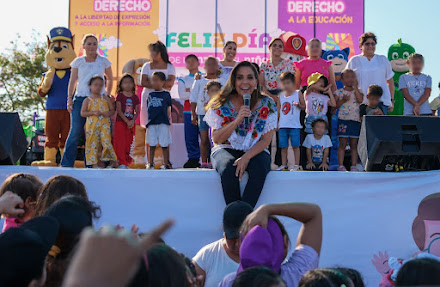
pixel 415 21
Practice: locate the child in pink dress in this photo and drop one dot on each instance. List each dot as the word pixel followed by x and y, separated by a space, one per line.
pixel 26 186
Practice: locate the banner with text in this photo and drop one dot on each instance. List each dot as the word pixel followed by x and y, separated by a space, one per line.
pixel 338 23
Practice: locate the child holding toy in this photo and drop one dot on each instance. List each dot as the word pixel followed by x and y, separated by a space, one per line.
pixel 416 88
pixel 158 105
pixel 290 104
pixel 98 109
pixel 349 99
pixel 318 97
pixel 127 111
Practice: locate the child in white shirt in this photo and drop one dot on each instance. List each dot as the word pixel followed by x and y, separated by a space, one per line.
pixel 318 146
pixel 290 104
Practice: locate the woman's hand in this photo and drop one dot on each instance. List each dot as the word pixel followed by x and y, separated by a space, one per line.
pixel 244 112
pixel 257 217
pixel 11 204
pixel 241 163
pixel 69 105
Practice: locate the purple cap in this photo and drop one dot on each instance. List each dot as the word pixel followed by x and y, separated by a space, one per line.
pixel 262 247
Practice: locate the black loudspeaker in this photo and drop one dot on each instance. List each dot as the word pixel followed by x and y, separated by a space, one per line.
pixel 13 142
pixel 400 143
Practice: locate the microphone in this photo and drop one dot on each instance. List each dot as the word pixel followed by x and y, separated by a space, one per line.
pixel 247 102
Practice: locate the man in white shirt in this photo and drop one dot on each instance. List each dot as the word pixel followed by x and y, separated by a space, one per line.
pixel 216 260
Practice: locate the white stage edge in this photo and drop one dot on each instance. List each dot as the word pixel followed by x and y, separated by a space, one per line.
pixel 363 212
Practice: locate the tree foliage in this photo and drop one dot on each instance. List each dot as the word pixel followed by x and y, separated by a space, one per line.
pixel 21 68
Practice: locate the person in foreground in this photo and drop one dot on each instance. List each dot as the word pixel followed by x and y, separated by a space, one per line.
pixel 266 241
pixel 216 260
pixel 259 277
pixel 241 146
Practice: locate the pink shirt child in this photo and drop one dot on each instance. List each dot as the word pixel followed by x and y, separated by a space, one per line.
pixel 11 222
pixel 309 66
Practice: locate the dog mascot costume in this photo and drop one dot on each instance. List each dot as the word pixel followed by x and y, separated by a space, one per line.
pixel 54 85
pixel 134 68
pixel 397 55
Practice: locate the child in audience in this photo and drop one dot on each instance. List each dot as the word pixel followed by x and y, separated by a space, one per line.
pixel 349 99
pixel 416 88
pixel 318 146
pixel 26 186
pixel 159 120
pixel 184 85
pixel 373 107
pixel 98 109
pixel 127 109
pixel 318 97
pixel 198 100
pixel 290 104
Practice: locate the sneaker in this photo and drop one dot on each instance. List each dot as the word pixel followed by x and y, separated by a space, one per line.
pixel 210 165
pixel 192 163
pixel 168 166
pixel 342 168
pixel 282 168
pixel 123 166
pixel 149 166
pixel 296 168
pixel 354 168
pixel 204 165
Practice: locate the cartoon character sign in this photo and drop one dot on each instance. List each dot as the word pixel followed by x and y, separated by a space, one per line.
pixel 426 235
pixel 294 46
pixel 397 55
pixel 339 60
pixel 54 84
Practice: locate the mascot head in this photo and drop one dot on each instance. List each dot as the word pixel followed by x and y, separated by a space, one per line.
pixel 134 68
pixel 339 58
pixel 60 51
pixel 294 46
pixel 398 54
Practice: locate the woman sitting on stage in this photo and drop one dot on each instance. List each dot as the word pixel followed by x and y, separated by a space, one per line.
pixel 241 146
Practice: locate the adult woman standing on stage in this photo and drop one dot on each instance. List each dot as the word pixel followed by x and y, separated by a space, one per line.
pixel 83 69
pixel 228 63
pixel 372 69
pixel 272 69
pixel 159 62
pixel 240 147
pixel 270 73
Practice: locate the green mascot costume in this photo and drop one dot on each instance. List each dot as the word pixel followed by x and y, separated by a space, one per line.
pixel 397 55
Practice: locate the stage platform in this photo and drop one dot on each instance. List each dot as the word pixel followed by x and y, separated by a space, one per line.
pixel 363 212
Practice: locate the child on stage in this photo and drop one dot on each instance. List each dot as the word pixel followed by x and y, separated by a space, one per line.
pixel 127 109
pixel 98 109
pixel 318 146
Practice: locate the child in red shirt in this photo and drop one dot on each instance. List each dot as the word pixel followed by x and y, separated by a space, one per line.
pixel 127 109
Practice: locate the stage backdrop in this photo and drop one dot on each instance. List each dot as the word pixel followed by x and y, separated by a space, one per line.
pixel 124 29
pixel 363 213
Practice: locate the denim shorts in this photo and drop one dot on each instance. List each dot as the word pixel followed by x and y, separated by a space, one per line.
pixel 203 126
pixel 349 129
pixel 310 119
pixel 285 133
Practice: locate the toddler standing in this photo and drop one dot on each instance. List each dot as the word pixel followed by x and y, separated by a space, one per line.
pixel 290 104
pixel 98 109
pixel 349 99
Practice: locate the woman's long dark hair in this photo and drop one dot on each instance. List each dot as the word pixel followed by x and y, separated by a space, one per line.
pixel 229 89
pixel 162 49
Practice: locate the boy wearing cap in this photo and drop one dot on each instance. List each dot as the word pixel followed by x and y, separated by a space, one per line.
pixel 216 260
pixel 318 97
